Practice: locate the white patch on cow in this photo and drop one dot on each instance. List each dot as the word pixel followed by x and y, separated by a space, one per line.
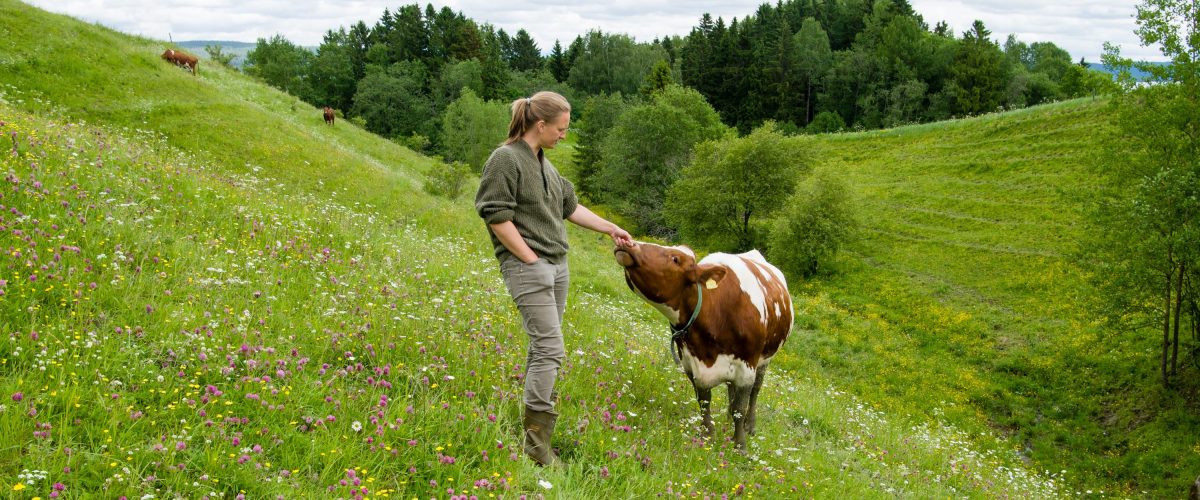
pixel 751 285
pixel 777 311
pixel 725 369
pixel 686 250
pixel 681 248
pixel 671 314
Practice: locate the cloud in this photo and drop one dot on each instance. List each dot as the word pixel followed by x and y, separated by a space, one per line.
pixel 1081 27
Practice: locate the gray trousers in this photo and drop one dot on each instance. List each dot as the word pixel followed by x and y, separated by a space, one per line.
pixel 540 292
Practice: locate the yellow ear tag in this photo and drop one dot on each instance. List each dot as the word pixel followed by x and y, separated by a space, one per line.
pixel 710 284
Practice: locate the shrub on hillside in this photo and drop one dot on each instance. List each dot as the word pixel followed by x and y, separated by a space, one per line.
pixel 817 222
pixel 446 179
pixel 416 142
pixel 825 121
pixel 217 53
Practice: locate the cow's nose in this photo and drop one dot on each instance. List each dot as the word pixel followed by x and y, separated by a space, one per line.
pixel 624 258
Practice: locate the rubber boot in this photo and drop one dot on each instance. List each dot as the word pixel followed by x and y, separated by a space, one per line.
pixel 539 426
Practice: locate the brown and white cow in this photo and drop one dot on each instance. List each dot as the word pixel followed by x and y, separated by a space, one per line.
pixel 745 314
pixel 181 59
pixel 328 113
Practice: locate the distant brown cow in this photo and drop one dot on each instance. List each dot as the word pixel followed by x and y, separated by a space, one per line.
pixel 328 114
pixel 181 59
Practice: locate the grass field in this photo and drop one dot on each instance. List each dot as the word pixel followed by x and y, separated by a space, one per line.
pixel 205 291
pixel 967 302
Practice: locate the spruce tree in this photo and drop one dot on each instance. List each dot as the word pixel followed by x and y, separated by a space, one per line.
pixel 979 72
pixel 557 64
pixel 525 53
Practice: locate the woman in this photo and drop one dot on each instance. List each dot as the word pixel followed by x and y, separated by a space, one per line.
pixel 524 200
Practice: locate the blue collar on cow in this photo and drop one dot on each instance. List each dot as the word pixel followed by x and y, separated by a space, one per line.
pixel 678 333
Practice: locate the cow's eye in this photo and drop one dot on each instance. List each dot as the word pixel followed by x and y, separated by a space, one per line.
pixel 675 259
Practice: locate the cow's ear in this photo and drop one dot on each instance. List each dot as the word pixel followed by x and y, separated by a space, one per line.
pixel 710 273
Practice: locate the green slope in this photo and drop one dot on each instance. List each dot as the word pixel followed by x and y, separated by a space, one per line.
pixel 206 288
pixel 962 299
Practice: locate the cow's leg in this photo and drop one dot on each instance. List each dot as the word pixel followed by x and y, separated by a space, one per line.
pixel 739 402
pixel 704 397
pixel 752 416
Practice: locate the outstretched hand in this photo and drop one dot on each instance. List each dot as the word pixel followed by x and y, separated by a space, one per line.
pixel 620 237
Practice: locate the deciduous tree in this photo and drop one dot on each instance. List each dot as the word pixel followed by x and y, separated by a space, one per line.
pixel 732 187
pixel 648 146
pixel 1148 251
pixel 471 129
pixel 280 63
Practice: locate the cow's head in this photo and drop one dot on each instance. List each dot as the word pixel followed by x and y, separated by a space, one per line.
pixel 661 273
pixel 168 54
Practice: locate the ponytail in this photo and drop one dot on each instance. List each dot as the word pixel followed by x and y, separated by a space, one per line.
pixel 527 111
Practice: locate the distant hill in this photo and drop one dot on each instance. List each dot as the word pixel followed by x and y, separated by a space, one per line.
pixel 1137 74
pixel 239 49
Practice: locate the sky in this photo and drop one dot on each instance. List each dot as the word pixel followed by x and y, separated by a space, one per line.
pixel 1079 26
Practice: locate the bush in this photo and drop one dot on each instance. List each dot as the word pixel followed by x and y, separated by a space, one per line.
pixel 447 179
pixel 826 121
pixel 817 222
pixel 416 142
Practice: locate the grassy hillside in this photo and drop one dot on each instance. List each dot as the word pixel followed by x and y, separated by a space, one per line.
pixel 962 299
pixel 206 291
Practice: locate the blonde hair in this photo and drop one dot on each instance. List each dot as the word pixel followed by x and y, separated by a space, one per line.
pixel 526 112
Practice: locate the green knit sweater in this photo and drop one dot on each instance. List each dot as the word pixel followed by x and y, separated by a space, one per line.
pixel 526 189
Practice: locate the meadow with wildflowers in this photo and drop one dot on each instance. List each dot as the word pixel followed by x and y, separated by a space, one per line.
pixel 205 292
pixel 176 329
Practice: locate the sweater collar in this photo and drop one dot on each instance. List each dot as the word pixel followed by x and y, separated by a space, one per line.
pixel 524 146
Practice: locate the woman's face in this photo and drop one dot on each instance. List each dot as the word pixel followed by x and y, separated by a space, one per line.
pixel 550 132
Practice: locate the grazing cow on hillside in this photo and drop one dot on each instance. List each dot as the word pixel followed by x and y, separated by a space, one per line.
pixel 181 59
pixel 328 111
pixel 729 315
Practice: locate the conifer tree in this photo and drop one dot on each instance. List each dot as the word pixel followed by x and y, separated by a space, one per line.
pixel 525 53
pixel 979 72
pixel 813 58
pixel 557 64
